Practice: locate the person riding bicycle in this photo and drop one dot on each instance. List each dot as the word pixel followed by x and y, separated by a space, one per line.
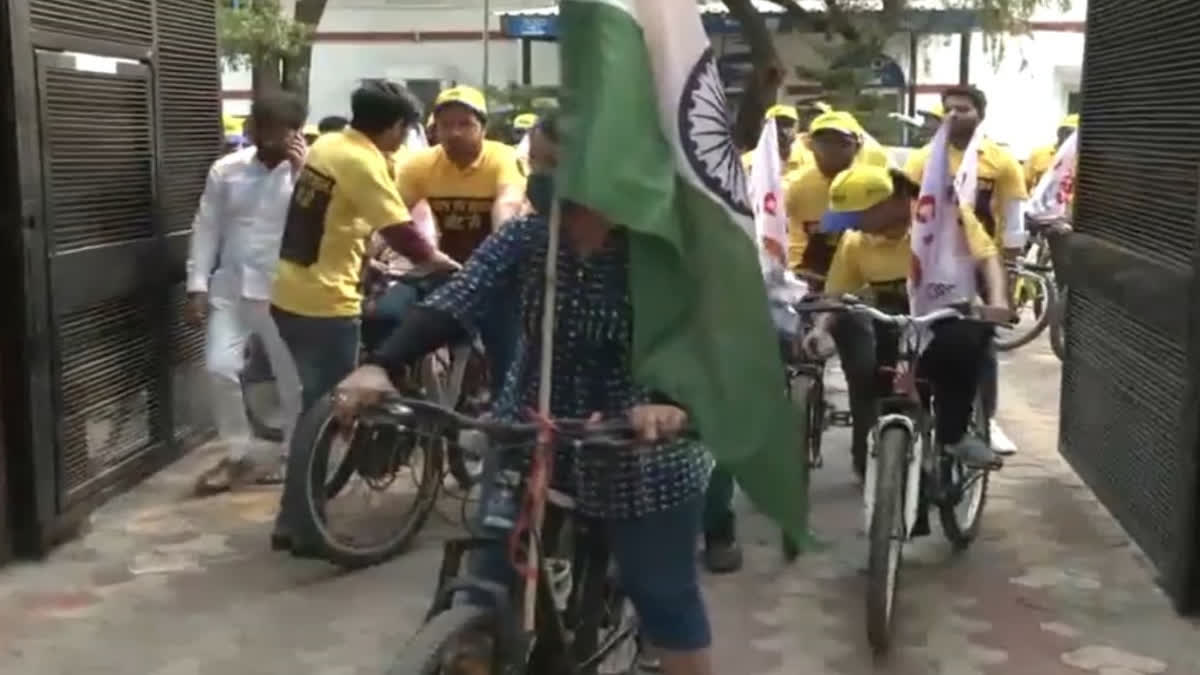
pixel 345 193
pixel 999 201
pixel 874 205
pixel 473 186
pixel 649 498
pixel 1042 158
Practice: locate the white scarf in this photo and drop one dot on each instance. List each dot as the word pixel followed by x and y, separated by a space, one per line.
pixel 943 270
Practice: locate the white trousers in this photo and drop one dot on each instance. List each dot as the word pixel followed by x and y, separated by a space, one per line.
pixel 230 324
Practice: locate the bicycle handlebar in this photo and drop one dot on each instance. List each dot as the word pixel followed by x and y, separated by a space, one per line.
pixel 612 433
pixel 852 304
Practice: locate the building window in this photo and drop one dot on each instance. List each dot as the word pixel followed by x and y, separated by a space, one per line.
pixel 1073 100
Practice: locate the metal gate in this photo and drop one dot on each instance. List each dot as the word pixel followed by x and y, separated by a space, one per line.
pixel 1132 372
pixel 118 107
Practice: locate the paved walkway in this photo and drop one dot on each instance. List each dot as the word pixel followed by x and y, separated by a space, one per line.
pixel 168 585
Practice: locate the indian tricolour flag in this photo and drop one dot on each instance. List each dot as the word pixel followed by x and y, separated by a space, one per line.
pixel 646 141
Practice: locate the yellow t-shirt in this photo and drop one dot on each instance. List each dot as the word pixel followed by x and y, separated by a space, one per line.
pixel 806 200
pixel 1038 164
pixel 800 156
pixel 1001 180
pixel 461 198
pixel 881 264
pixel 344 194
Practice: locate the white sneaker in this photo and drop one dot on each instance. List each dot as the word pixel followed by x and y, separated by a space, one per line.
pixel 1001 443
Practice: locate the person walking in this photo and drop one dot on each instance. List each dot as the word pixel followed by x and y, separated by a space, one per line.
pixel 233 251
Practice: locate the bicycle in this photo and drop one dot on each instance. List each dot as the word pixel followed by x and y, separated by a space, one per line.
pixel 402 474
pixel 565 612
pixel 1031 286
pixel 907 469
pixel 1055 231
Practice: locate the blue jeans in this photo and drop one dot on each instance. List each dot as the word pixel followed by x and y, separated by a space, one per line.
pixel 325 350
pixel 656 563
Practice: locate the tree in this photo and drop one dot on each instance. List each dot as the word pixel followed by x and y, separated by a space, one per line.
pixel 255 34
pixel 863 35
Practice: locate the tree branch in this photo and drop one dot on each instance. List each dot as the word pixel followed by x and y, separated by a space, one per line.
pixel 765 79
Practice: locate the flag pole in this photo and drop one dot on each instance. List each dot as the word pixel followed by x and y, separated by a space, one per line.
pixel 532 563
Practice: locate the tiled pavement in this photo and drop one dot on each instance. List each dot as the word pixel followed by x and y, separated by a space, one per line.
pixel 167 585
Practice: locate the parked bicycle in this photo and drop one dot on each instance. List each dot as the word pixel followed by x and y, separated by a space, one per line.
pixel 908 470
pixel 370 489
pixel 564 612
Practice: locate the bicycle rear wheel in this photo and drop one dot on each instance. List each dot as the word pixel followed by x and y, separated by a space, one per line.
pixel 1034 295
pixel 886 534
pixel 460 640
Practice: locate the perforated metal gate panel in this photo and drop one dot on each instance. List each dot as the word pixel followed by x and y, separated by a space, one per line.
pixel 98 169
pixel 124 21
pixel 1127 426
pixel 190 132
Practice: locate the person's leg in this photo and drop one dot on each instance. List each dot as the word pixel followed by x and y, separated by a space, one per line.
pixel 656 562
pixel 324 350
pixel 721 551
pixel 951 363
pixel 225 342
pixel 283 367
pixel 854 336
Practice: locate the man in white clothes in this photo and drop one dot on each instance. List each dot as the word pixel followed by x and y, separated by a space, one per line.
pixel 234 249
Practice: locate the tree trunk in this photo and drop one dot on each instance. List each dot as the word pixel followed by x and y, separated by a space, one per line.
pixel 765 79
pixel 296 70
pixel 265 76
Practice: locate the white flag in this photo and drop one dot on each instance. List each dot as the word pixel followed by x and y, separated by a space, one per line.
pixel 523 148
pixel 766 199
pixel 1052 195
pixel 421 214
pixel 943 270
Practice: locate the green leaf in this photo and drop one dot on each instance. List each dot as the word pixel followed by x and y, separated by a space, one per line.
pixel 259 33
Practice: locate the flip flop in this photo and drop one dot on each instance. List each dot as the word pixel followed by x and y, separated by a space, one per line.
pixel 206 484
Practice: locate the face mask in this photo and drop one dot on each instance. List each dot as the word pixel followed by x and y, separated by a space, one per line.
pixel 539 188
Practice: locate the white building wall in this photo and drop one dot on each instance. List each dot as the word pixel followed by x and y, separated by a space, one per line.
pixel 1026 83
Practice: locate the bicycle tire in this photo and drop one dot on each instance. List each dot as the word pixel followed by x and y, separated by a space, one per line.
pixel 1058 317
pixel 959 534
pixel 1008 340
pixel 425 652
pixel 886 517
pixel 314 432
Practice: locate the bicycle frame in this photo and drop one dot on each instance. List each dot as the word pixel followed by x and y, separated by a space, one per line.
pixel 904 409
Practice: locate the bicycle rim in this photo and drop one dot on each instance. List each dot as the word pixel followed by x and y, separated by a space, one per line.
pixel 459 641
pixel 887 534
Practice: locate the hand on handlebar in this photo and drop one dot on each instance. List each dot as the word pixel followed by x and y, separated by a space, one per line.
pixel 654 422
pixel 995 313
pixel 364 387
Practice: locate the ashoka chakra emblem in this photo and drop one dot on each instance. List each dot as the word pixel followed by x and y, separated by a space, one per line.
pixel 705 135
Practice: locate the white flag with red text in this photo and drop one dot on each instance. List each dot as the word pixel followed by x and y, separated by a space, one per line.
pixel 943 270
pixel 765 186
pixel 1052 195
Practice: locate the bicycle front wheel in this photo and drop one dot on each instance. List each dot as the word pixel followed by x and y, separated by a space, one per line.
pixel 887 533
pixel 1033 296
pixel 460 640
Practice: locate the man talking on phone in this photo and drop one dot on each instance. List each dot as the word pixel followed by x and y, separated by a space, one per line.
pixel 234 250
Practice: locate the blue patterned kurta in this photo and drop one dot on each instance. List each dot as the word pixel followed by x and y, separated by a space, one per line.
pixel 591 363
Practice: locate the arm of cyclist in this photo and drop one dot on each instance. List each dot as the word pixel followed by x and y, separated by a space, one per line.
pixel 1011 193
pixel 991 269
pixel 510 193
pixel 845 276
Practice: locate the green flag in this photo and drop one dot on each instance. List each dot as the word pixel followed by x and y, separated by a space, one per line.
pixel 647 143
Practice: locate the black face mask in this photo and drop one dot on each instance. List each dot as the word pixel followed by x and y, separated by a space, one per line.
pixel 539 188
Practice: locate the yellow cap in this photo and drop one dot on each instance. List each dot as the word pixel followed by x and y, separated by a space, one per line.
pixel 524 121
pixel 463 95
pixel 936 110
pixel 835 121
pixel 857 189
pixel 781 110
pixel 1070 122
pixel 232 125
pixel 311 130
